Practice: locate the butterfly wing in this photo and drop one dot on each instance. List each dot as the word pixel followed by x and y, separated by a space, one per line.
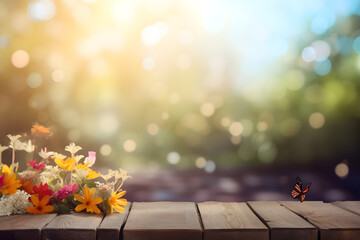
pixel 295 194
pixel 302 194
pixel 307 188
pixel 298 185
pixel 302 197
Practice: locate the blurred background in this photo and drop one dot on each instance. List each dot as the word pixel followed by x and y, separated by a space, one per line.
pixel 198 100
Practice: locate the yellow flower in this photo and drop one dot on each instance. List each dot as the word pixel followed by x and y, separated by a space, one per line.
pixel 92 174
pixel 10 184
pixel 40 207
pixel 87 201
pixel 67 164
pixel 83 166
pixel 115 201
pixel 6 169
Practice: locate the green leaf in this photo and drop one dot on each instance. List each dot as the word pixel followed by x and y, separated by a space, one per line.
pixel 62 208
pixel 89 183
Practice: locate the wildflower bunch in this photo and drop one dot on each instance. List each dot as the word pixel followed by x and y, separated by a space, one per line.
pixel 56 182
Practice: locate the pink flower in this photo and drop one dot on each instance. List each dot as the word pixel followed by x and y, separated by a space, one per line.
pixel 2 178
pixel 36 166
pixel 91 158
pixel 65 191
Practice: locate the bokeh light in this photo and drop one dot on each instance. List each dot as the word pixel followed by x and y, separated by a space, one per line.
pixel 189 85
pixel 20 58
pixel 200 162
pixel 129 145
pixel 34 80
pixel 57 76
pixel 105 150
pixel 41 10
pixel 317 120
pixel 322 66
pixel 173 158
pixel 236 128
pixel 342 170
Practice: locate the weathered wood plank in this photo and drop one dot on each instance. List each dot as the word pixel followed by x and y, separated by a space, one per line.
pixel 229 220
pixel 79 226
pixel 283 223
pixel 110 227
pixel 333 222
pixel 163 220
pixel 23 226
pixel 352 206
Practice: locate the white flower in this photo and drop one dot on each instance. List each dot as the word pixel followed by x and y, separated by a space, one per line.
pixel 123 174
pixel 51 176
pixel 91 158
pixel 28 174
pixel 17 145
pixel 3 148
pixel 29 147
pixel 103 190
pixel 82 172
pixel 33 176
pixel 72 148
pixel 111 173
pixel 78 158
pixel 44 154
pixel 59 155
pixel 13 139
pixel 15 203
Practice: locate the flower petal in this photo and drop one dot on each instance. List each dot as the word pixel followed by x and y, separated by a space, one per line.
pixel 44 200
pixel 80 207
pixel 122 201
pixel 32 210
pixel 48 208
pixel 120 194
pixel 96 210
pixel 79 198
pixel 86 192
pixel 119 209
pixel 91 193
pixel 96 200
pixel 35 199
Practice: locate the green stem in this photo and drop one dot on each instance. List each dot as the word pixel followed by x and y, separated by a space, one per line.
pixel 12 161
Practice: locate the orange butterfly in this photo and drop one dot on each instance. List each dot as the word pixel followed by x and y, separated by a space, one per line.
pixel 298 192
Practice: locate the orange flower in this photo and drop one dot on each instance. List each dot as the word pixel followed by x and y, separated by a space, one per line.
pixel 40 131
pixel 10 185
pixel 115 201
pixel 40 207
pixel 87 201
pixel 67 164
pixel 27 186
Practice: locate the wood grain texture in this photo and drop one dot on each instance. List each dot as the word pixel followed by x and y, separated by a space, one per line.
pixel 352 206
pixel 231 221
pixel 163 220
pixel 333 222
pixel 23 226
pixel 112 224
pixel 283 223
pixel 77 226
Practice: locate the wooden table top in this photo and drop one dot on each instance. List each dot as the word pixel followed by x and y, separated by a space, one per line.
pixel 259 220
